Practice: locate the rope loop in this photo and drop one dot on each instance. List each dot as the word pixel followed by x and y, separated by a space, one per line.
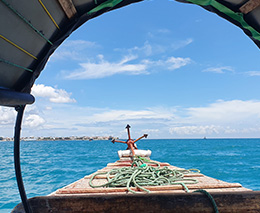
pixel 141 174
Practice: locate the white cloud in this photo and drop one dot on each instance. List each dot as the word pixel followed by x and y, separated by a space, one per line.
pixel 195 130
pixel 74 50
pixel 164 38
pixel 149 48
pixel 33 121
pixel 171 63
pixel 136 60
pixel 31 118
pixel 181 44
pixel 234 118
pixel 253 73
pixel 219 70
pixel 120 115
pixel 227 112
pixel 7 115
pixel 176 63
pixel 104 69
pixel 163 31
pixel 151 130
pixel 214 131
pixel 54 95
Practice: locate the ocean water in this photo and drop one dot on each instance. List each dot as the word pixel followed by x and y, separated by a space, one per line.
pixel 49 165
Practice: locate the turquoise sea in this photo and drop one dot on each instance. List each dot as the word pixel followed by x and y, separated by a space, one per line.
pixel 49 165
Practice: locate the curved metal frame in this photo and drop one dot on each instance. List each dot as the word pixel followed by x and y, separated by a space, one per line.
pixel 20 111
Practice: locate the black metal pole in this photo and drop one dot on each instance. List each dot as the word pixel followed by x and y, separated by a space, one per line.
pixel 17 165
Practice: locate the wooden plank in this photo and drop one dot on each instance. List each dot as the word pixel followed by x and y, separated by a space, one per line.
pixel 249 6
pixel 112 176
pixel 153 203
pixel 150 188
pixel 129 163
pixel 68 8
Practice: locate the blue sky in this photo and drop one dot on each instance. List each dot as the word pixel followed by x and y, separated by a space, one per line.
pixel 168 69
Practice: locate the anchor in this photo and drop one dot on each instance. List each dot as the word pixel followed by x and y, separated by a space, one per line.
pixel 130 142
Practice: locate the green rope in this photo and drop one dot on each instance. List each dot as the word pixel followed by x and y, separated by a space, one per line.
pixel 26 21
pixel 109 4
pixel 15 65
pixel 210 198
pixel 140 175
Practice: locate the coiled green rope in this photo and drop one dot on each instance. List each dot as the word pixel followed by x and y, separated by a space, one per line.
pixel 140 175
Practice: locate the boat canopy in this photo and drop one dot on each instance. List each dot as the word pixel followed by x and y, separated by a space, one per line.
pixel 32 30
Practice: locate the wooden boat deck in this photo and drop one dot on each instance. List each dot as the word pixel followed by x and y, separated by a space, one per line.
pixel 81 197
pixel 204 182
